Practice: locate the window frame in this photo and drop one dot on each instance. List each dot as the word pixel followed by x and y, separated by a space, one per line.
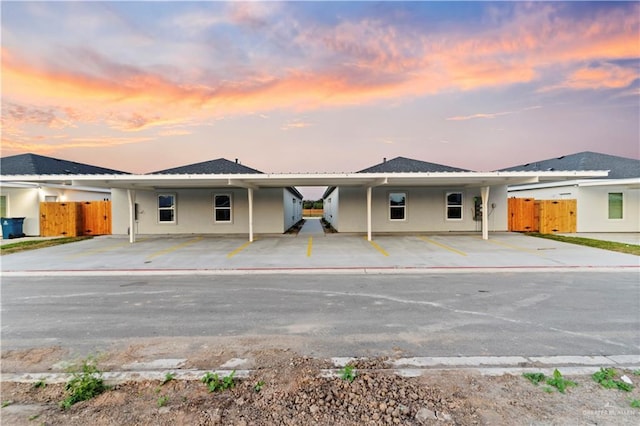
pixel 609 201
pixel 173 208
pixel 448 205
pixel 216 208
pixel 403 207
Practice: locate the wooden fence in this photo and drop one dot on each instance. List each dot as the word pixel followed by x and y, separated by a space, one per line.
pixel 544 216
pixel 312 212
pixel 73 219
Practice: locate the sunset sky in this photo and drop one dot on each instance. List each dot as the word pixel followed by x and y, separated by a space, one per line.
pixel 319 86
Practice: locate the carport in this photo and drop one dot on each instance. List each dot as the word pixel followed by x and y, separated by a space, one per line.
pixel 254 182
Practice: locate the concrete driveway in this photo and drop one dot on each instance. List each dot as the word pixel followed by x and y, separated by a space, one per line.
pixel 313 251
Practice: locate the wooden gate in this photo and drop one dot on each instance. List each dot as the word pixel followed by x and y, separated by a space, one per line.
pixel 544 216
pixel 523 215
pixel 73 219
pixel 557 216
pixel 96 218
pixel 60 219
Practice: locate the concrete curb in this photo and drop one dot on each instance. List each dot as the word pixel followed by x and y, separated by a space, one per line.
pixel 329 271
pixel 404 367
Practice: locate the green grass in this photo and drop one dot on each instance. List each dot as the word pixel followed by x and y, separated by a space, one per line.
pixel 162 401
pixel 607 379
pixel 589 242
pixel 348 373
pixel 84 384
pixel 37 244
pixel 534 378
pixel 215 383
pixel 559 382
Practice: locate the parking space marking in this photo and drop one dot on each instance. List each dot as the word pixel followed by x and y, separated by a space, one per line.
pixel 514 247
pixel 238 250
pixel 444 246
pixel 173 248
pixel 100 250
pixel 309 246
pixel 380 249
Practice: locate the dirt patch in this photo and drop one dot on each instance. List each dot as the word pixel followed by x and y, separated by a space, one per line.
pixel 293 391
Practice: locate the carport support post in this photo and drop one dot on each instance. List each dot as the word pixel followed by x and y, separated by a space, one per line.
pixel 250 197
pixel 131 196
pixel 484 194
pixel 369 189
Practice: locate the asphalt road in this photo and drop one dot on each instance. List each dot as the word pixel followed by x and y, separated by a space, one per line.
pixel 483 314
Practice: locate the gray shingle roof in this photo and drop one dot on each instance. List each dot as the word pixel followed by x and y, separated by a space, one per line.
pixel 620 167
pixel 407 165
pixel 220 166
pixel 34 164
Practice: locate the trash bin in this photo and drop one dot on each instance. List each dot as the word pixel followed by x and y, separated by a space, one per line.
pixel 12 227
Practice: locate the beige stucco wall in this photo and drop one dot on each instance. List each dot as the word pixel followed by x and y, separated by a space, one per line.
pixel 593 206
pixel 425 210
pixel 25 202
pixel 194 212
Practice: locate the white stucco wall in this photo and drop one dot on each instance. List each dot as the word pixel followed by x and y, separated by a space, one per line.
pixel 593 206
pixel 25 202
pixel 330 211
pixel 194 212
pixel 292 205
pixel 593 210
pixel 425 210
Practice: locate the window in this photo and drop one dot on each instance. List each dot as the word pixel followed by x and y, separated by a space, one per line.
pixel 454 205
pixel 615 205
pixel 397 206
pixel 167 208
pixel 222 208
pixel 50 198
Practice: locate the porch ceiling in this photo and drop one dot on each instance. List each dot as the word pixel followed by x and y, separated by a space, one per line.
pixel 256 181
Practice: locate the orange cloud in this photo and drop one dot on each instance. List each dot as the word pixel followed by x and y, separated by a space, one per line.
pixel 39 144
pixel 607 76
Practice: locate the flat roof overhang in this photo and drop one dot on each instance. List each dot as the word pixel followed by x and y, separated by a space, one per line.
pixel 283 180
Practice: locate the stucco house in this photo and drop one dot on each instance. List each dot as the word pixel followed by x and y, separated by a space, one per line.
pixel 226 197
pixel 205 198
pixel 603 205
pixel 20 198
pixel 447 202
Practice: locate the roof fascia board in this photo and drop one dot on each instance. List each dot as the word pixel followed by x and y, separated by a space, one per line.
pixel 611 182
pixel 241 184
pixel 254 181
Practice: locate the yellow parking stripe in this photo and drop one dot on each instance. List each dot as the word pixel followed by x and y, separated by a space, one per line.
pixel 173 248
pixel 515 247
pixel 100 250
pixel 380 249
pixel 309 246
pixel 444 246
pixel 238 250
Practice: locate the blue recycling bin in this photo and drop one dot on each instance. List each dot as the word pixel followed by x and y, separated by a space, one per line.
pixel 12 227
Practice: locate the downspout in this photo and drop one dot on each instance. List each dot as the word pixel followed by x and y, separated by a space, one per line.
pixel 484 194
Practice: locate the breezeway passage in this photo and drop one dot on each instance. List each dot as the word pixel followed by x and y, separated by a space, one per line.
pixel 338 251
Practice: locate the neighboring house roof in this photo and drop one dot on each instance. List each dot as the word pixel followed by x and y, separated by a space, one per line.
pixel 219 166
pixel 619 167
pixel 33 164
pixel 408 165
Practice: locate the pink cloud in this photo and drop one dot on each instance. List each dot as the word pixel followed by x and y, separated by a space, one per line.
pixel 605 76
